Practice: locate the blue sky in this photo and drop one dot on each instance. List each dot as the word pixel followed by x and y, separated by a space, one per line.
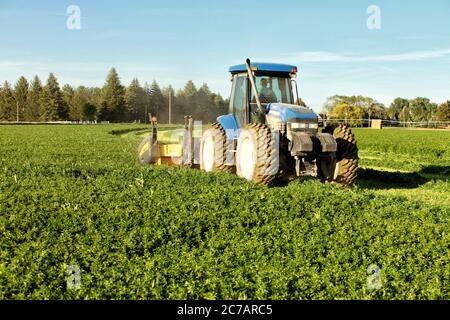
pixel 174 41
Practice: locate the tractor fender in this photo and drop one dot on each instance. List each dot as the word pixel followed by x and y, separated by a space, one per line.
pixel 229 124
pixel 327 142
pixel 301 142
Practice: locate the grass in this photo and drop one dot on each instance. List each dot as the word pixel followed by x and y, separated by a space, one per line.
pixel 411 163
pixel 75 195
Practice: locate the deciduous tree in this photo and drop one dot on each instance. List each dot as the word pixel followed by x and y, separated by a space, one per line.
pixel 349 112
pixel 399 109
pixel 443 112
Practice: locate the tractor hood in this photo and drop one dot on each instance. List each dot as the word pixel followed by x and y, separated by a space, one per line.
pixel 287 112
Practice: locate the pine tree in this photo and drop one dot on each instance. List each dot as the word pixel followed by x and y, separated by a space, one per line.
pixel 68 94
pixel 113 102
pixel 89 111
pixel 79 99
pixel 221 106
pixel 20 95
pixel 204 96
pixel 33 98
pixel 83 100
pixel 52 105
pixel 94 96
pixel 218 101
pixel 157 103
pixel 190 93
pixel 166 91
pixel 203 109
pixel 185 102
pixel 189 89
pixel 147 107
pixel 169 94
pixel 114 97
pixel 102 112
pixel 7 103
pixel 135 99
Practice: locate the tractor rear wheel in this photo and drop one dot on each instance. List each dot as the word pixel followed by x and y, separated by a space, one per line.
pixel 213 150
pixel 342 166
pixel 257 155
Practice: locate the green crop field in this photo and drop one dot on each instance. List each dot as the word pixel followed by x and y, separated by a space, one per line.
pixel 76 196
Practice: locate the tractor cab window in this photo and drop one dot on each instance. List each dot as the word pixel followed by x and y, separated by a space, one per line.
pixel 270 90
pixel 273 89
pixel 238 101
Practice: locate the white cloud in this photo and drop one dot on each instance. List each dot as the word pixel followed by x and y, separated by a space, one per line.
pixel 324 56
pixel 21 66
pixel 11 64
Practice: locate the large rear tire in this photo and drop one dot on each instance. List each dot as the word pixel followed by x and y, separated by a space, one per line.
pixel 213 150
pixel 341 167
pixel 257 154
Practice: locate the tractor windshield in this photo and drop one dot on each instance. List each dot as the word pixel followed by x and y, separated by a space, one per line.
pixel 273 89
pixel 270 90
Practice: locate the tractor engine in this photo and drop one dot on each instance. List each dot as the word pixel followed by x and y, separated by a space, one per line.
pixel 299 140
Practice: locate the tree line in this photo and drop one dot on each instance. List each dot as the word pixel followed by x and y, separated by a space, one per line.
pixel 35 102
pixel 355 108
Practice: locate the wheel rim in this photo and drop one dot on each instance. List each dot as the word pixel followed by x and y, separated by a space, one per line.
pixel 247 158
pixel 208 154
pixel 336 171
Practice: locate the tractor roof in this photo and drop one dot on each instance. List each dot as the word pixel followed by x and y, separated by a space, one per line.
pixel 263 66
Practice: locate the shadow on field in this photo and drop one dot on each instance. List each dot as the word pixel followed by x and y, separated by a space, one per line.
pixel 376 179
pixel 442 171
pixel 125 131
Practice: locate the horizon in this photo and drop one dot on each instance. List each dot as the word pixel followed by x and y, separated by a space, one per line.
pixel 401 50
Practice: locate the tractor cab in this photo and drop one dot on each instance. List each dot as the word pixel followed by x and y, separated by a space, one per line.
pixel 266 93
pixel 274 84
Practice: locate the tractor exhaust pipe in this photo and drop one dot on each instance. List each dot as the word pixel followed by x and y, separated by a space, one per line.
pixel 252 82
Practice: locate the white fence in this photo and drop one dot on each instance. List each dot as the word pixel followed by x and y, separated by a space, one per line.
pixel 55 122
pixel 389 123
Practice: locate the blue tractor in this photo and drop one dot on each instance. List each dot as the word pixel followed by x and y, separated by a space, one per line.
pixel 266 136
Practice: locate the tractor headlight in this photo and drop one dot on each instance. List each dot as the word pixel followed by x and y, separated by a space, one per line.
pixel 296 125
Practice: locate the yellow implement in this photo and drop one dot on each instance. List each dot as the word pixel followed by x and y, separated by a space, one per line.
pixel 154 152
pixel 170 154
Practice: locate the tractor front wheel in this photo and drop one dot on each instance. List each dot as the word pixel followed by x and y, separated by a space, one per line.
pixel 257 155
